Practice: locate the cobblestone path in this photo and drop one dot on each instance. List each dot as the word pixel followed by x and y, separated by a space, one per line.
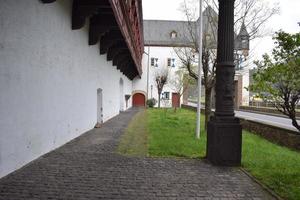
pixel 88 168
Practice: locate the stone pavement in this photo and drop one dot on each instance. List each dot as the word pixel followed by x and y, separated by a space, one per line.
pixel 88 168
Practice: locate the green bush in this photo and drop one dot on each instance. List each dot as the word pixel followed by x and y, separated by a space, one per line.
pixel 151 102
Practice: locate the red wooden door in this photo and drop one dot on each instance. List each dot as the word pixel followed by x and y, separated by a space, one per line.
pixel 175 100
pixel 138 99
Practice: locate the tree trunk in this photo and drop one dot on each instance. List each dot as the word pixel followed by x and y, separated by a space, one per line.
pixel 291 114
pixel 159 100
pixel 208 91
pixel 295 123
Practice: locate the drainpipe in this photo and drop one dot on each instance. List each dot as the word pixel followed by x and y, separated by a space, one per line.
pixel 148 62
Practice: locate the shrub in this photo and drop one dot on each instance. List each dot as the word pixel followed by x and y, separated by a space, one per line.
pixel 151 102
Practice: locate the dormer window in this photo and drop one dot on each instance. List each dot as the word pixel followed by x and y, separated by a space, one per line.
pixel 173 34
pixel 244 42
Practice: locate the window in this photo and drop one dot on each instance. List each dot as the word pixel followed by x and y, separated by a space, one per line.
pixel 173 34
pixel 169 62
pixel 173 62
pixel 244 41
pixel 166 95
pixel 152 61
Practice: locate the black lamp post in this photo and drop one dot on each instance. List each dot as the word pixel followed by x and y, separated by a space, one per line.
pixel 224 135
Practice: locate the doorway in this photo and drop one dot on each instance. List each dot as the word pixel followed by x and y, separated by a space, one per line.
pixel 138 100
pixel 175 100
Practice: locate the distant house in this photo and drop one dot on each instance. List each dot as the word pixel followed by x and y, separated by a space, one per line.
pixel 64 67
pixel 160 38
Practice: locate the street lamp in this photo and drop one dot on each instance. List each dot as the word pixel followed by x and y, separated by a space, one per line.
pixel 224 133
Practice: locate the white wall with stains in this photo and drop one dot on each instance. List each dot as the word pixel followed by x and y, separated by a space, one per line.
pixel 49 77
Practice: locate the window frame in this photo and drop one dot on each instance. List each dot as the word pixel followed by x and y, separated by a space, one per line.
pixel 169 60
pixel 152 61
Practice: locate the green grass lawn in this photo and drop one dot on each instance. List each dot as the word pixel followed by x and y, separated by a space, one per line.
pixel 165 133
pixel 173 134
pixel 275 166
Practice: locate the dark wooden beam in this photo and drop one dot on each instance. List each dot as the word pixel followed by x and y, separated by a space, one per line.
pixel 130 71
pixel 48 1
pixel 128 67
pixel 123 66
pixel 122 59
pixel 109 39
pixel 85 8
pixel 120 56
pixel 116 49
pixel 100 24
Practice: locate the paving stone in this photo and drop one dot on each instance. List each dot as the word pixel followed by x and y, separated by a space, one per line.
pixel 88 168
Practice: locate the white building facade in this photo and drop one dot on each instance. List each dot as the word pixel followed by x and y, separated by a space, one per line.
pixel 53 85
pixel 162 37
pixel 156 59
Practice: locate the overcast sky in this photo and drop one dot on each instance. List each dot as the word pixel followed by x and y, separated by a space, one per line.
pixel 287 20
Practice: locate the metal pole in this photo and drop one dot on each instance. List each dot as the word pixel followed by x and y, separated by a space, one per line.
pixel 148 71
pixel 199 72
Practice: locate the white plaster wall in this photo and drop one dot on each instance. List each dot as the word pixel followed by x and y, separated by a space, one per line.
pixel 49 78
pixel 245 92
pixel 162 53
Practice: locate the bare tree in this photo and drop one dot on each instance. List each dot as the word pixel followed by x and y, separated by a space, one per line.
pixel 251 13
pixel 161 79
pixel 179 82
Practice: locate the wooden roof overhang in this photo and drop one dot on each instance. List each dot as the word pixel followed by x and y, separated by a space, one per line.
pixel 117 26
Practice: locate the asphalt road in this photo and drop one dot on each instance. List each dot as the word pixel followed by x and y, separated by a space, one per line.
pixel 266 119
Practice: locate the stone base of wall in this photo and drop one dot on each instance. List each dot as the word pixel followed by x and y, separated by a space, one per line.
pixel 276 135
pixel 283 137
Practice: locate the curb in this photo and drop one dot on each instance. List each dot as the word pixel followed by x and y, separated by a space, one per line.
pixel 265 113
pixel 266 188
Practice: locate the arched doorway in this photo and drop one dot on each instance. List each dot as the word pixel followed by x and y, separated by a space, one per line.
pixel 138 99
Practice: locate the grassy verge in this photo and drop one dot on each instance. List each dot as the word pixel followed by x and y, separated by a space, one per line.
pixel 134 141
pixel 171 134
pixel 275 166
